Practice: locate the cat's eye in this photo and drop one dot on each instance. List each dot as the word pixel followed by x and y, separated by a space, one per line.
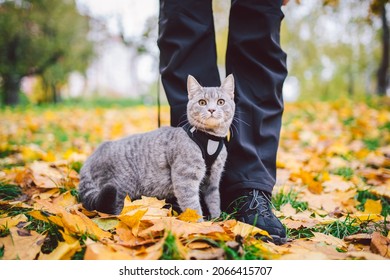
pixel 202 102
pixel 220 102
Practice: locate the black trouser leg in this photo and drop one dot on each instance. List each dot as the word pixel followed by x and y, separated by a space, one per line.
pixel 258 63
pixel 187 46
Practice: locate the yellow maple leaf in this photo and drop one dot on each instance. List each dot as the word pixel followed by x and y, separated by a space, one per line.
pixel 133 219
pixel 74 221
pixel 372 207
pixel 246 230
pixel 189 215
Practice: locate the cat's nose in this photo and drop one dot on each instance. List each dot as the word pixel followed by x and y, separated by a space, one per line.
pixel 211 110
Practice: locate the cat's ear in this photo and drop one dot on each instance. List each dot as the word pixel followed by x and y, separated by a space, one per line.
pixel 228 86
pixel 193 86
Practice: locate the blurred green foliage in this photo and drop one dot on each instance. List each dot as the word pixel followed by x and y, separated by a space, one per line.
pixel 41 37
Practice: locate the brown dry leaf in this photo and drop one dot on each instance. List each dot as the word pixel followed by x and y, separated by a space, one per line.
pixel 305 254
pixel 355 255
pixel 360 238
pixel 296 224
pixel 21 245
pixel 380 245
pixel 99 251
pixel 383 190
pixel 189 215
pixel 287 210
pixel 179 228
pixel 210 253
pixel 317 249
pixel 48 175
pixel 328 239
pixel 9 222
pixel 336 183
pixel 47 194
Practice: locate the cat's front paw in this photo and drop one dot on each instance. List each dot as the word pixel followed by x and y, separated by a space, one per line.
pixel 215 214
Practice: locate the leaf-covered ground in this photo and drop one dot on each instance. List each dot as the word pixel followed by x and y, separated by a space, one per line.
pixel 333 190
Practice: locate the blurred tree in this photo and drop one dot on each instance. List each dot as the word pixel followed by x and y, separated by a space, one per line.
pixel 41 37
pixel 377 8
pixel 333 49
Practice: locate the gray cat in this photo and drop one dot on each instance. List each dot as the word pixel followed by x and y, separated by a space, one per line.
pixel 181 162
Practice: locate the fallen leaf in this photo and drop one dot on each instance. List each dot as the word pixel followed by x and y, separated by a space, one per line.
pixel 328 239
pixel 189 215
pixel 64 251
pixel 106 223
pixel 74 221
pixel 246 230
pixel 9 222
pixel 361 238
pixel 372 207
pixel 15 245
pixel 133 219
pixel 180 228
pixel 380 245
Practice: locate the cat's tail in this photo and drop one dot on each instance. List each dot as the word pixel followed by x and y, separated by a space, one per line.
pixel 95 198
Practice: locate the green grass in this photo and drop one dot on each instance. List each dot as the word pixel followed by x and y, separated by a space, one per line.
pixel 52 231
pixel 1 251
pixel 170 250
pixel 345 172
pixel 372 144
pixel 79 255
pixel 282 198
pixel 94 102
pixel 9 191
pixel 298 233
pixel 11 211
pixel 4 231
pixel 340 229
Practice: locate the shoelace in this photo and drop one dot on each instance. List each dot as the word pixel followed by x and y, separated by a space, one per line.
pixel 260 199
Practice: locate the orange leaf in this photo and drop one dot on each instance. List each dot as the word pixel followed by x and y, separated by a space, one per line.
pixel 189 215
pixel 133 219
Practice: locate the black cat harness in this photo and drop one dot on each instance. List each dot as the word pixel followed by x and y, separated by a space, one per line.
pixel 210 145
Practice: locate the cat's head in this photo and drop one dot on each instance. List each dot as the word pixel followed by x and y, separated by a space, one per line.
pixel 211 109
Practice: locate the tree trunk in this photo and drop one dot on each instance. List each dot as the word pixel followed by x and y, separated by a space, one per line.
pixel 382 74
pixel 56 93
pixel 11 86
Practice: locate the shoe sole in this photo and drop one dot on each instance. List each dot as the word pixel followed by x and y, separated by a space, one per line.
pixel 277 240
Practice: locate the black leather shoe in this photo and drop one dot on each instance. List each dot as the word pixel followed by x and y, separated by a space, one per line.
pixel 254 207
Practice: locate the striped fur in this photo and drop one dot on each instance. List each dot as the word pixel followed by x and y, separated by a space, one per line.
pixel 162 163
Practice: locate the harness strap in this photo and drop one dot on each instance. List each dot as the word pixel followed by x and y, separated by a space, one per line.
pixel 210 145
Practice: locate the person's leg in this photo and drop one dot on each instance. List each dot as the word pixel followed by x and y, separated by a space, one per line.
pixel 258 63
pixel 187 46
